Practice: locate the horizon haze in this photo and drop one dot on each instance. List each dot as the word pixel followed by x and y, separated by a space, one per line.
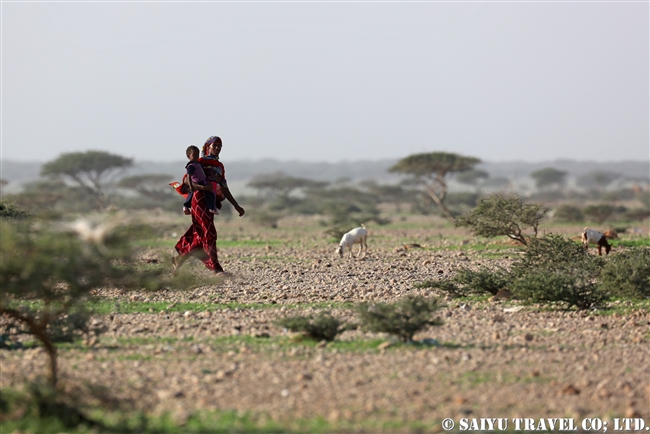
pixel 325 81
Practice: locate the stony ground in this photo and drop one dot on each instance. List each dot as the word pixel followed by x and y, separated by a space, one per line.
pixel 490 358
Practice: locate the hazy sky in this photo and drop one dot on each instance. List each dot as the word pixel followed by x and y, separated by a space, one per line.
pixel 319 81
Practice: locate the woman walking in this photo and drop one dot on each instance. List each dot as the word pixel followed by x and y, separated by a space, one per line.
pixel 200 240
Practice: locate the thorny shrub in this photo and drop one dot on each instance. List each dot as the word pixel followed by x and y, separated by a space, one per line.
pixel 403 318
pixel 322 327
pixel 555 269
pixel 48 273
pixel 467 281
pixel 552 269
pixel 627 274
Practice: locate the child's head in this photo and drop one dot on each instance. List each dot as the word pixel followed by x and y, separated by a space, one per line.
pixel 192 153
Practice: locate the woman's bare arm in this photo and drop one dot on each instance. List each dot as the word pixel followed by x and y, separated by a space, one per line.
pixel 226 192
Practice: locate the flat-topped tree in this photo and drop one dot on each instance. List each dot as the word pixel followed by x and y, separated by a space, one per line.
pixel 502 214
pixel 91 170
pixel 431 170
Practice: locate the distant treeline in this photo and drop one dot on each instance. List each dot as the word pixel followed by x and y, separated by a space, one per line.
pixel 243 170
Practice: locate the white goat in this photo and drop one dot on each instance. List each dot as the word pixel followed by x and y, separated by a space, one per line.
pixel 590 236
pixel 356 235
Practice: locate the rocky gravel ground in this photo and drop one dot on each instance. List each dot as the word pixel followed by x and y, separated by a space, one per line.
pixel 490 358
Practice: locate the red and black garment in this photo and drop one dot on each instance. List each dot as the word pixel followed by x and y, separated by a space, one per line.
pixel 200 240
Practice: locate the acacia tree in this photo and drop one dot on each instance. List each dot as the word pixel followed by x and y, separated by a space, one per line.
pixel 59 269
pixel 431 170
pixel 508 215
pixel 548 177
pixel 91 170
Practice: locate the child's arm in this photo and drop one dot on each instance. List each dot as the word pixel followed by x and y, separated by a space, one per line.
pixel 195 187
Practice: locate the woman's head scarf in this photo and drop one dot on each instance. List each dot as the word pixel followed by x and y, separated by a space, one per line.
pixel 208 142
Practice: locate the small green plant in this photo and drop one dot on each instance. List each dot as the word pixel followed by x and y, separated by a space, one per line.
pixel 322 327
pixel 627 274
pixel 403 318
pixel 501 214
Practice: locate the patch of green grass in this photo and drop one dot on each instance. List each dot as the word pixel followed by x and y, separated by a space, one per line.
pixel 140 341
pixel 474 378
pixel 105 307
pixel 135 357
pixel 637 242
pixel 623 307
pixel 470 379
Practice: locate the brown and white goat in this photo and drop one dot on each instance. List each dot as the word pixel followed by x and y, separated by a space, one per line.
pixel 590 236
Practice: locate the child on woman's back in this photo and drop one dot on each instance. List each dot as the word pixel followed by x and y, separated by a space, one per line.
pixel 196 175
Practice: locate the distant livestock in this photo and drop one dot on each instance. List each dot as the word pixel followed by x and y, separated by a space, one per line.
pixel 611 234
pixel 590 236
pixel 355 236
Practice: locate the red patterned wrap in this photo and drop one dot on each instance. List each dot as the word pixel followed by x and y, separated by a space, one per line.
pixel 200 240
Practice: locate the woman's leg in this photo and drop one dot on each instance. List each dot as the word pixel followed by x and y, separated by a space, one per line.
pixel 177 262
pixel 206 232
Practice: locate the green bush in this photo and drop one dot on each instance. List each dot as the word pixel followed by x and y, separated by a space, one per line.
pixel 482 281
pixel 554 269
pixel 467 282
pixel 569 214
pixel 403 318
pixel 574 289
pixel 58 270
pixel 322 327
pixel 627 274
pixel 554 251
pixel 10 211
